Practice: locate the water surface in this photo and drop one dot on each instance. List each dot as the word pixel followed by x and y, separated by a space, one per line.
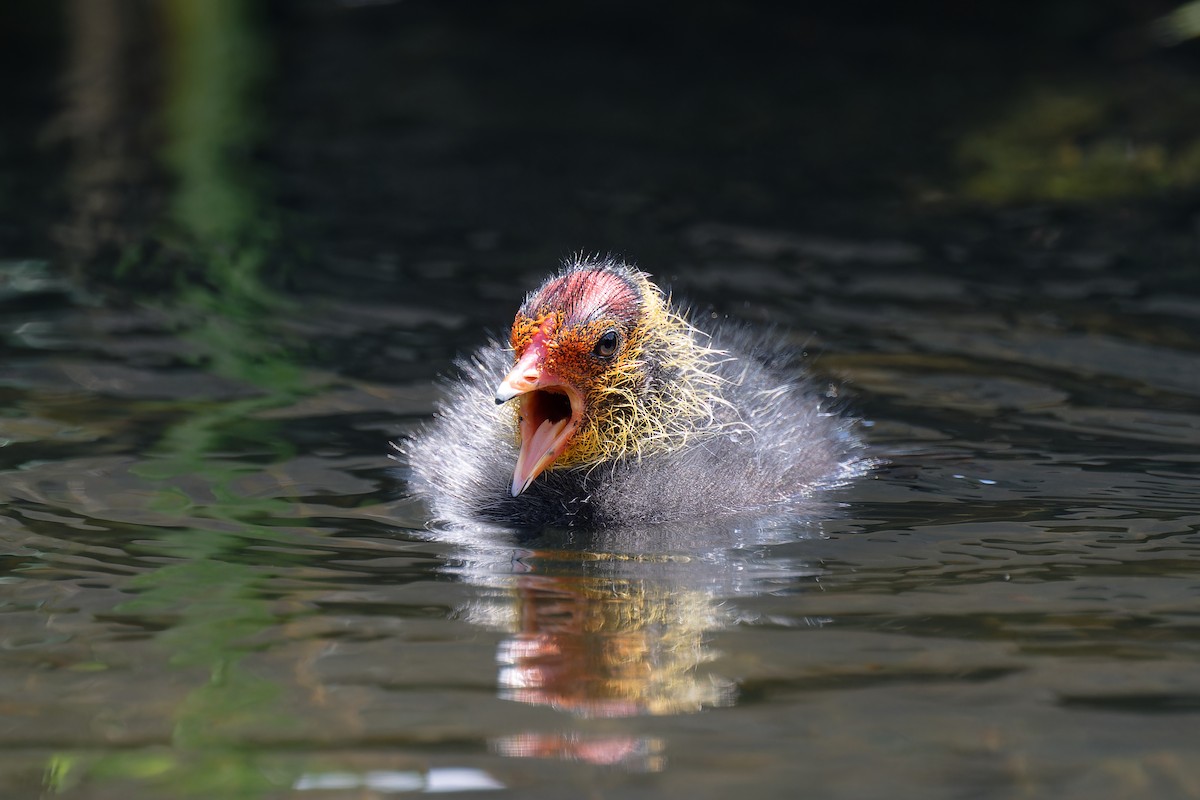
pixel 216 585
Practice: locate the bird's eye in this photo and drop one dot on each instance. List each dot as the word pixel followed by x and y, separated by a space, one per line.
pixel 606 345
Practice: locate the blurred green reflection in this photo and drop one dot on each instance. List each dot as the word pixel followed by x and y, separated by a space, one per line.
pixel 1084 143
pixel 218 239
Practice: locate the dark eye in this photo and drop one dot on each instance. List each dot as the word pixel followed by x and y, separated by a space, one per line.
pixel 606 345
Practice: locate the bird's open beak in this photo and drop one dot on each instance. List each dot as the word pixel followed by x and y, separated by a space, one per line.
pixel 551 410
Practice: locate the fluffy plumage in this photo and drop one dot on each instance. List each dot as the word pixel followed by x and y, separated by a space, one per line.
pixel 632 416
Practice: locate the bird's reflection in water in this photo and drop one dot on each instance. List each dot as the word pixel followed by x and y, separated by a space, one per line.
pixel 618 624
pixel 610 647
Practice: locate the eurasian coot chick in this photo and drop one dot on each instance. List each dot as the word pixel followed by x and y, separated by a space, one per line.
pixel 609 407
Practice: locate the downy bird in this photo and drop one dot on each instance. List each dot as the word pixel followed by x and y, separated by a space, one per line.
pixel 608 407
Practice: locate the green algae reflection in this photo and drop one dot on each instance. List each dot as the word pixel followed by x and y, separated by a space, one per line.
pixel 1085 143
pixel 208 596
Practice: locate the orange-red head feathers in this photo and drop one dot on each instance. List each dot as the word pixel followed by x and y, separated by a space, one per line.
pixel 603 370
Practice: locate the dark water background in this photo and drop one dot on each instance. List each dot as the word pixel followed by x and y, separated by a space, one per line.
pixel 238 241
